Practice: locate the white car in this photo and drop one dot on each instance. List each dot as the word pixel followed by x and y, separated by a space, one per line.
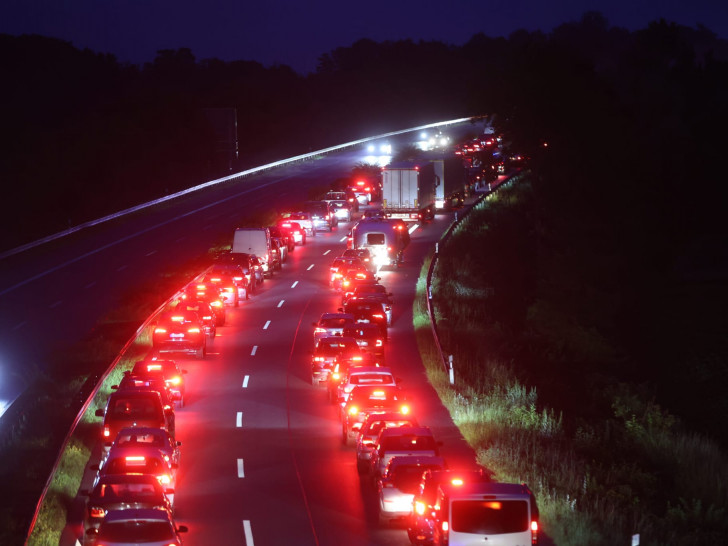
pixel 400 482
pixel 365 375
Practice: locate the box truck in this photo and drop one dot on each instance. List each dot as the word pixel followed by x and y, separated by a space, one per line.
pixel 408 191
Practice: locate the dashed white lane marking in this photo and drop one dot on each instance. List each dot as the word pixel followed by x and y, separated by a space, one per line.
pixel 255 348
pixel 239 419
pixel 241 470
pixel 342 239
pixel 310 267
pixel 413 228
pixel 245 381
pixel 248 533
pixel 54 305
pixel 19 325
pixel 267 323
pixel 150 253
pixel 89 285
pixel 325 253
pixel 280 303
pixel 294 284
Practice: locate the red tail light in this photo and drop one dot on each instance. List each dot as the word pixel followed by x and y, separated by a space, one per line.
pixel 160 330
pixel 96 512
pixel 534 532
pixel 194 331
pixel 107 432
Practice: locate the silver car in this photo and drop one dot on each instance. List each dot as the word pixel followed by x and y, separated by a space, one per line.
pixel 399 483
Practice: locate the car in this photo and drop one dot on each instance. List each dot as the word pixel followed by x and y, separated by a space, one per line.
pixel 342 209
pixel 248 264
pixel 303 218
pixel 285 235
pixel 180 331
pixel 331 324
pixel 343 193
pixel 368 312
pixel 369 433
pixel 238 273
pixel 130 382
pixel 340 266
pixel 137 408
pixel 422 520
pixel 227 285
pixel 485 512
pixel 204 311
pixel 342 364
pixel 279 251
pixel 134 459
pixel 365 375
pixel 364 400
pixel 293 231
pixel 149 437
pixel 369 337
pixel 401 441
pixel 325 351
pixel 168 370
pixel 321 215
pixel 366 293
pixel 211 294
pixel 398 484
pixel 115 493
pixel 353 278
pixel 137 527
pixel 363 255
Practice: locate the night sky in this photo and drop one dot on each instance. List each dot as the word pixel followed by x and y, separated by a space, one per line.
pixel 296 33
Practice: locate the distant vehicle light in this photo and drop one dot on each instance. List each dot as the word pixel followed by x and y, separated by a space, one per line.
pixel 457 481
pixel 160 330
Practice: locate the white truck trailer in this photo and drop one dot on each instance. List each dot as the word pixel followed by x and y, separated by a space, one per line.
pixel 408 191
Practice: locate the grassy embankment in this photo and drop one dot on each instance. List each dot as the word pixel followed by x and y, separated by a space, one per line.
pixel 623 466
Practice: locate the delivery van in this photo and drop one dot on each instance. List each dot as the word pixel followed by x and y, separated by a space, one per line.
pixel 255 241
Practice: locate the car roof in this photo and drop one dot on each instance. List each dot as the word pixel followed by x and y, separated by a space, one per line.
pixel 335 339
pixel 128 478
pixel 138 431
pixel 401 431
pixel 135 393
pixel 391 416
pixel 336 315
pixel 132 514
pixel 486 488
pixel 370 369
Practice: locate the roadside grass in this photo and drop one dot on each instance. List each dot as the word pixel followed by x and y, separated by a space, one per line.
pixel 600 477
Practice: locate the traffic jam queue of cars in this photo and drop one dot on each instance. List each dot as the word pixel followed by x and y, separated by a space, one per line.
pixel 395 454
pixel 131 499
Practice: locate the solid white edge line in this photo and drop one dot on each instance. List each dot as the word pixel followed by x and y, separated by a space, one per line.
pixel 294 284
pixel 248 533
pixel 241 469
pixel 267 323
pixel 280 303
pixel 239 419
pixel 245 381
pixel 255 348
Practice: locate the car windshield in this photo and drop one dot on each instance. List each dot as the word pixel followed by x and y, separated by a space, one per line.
pixel 490 517
pixel 131 492
pixel 138 531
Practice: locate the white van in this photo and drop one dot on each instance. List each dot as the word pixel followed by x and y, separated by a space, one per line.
pixel 385 239
pixel 498 514
pixel 255 241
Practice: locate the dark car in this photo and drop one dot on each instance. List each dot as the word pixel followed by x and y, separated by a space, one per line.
pixel 293 230
pixel 369 338
pixel 284 235
pixel 168 370
pixel 368 312
pixel 246 261
pixel 180 331
pixel 210 293
pixel 364 400
pixel 322 216
pixel 134 408
pixel 122 492
pixel 237 272
pixel 324 355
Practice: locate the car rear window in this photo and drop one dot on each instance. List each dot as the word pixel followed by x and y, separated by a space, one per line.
pixel 375 239
pixel 127 491
pixel 135 408
pixel 490 517
pixel 136 531
pixel 371 379
pixel 334 322
pixel 409 442
pixel 407 478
